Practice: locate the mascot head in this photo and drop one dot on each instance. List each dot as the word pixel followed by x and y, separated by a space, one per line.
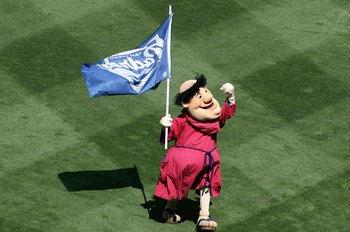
pixel 197 99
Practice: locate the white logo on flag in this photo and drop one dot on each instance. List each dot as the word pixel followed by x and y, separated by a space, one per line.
pixel 134 64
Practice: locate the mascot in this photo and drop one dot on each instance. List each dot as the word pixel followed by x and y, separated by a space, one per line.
pixel 194 161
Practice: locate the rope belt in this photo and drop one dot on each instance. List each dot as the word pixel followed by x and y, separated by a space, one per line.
pixel 208 157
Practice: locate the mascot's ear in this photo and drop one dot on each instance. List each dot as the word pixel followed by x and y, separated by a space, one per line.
pixel 185 105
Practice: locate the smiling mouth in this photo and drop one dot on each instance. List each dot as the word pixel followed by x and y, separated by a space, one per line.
pixel 208 106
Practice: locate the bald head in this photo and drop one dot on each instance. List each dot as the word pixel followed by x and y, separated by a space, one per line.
pixel 186 85
pixel 189 88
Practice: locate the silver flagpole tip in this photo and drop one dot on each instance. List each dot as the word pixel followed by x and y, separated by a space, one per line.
pixel 170 10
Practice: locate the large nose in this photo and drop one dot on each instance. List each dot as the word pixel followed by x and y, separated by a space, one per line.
pixel 208 98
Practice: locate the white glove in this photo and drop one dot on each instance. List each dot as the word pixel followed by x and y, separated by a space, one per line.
pixel 166 121
pixel 228 89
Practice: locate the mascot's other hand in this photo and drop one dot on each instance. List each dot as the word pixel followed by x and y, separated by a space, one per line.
pixel 228 89
pixel 166 121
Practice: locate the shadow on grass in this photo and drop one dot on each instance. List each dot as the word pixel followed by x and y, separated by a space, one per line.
pixel 101 180
pixel 121 178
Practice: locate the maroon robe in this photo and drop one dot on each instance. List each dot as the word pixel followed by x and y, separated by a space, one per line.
pixel 194 161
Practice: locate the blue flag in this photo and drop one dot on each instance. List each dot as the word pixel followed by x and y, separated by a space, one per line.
pixel 134 71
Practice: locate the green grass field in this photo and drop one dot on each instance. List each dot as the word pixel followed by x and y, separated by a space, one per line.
pixel 71 163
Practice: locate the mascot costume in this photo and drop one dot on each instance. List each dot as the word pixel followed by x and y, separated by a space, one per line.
pixel 194 161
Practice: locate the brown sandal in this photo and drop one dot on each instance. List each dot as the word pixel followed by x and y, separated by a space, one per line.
pixel 209 227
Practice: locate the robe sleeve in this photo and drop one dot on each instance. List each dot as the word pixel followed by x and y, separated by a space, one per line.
pixel 227 111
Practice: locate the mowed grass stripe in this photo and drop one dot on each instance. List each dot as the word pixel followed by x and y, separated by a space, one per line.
pixel 304 25
pixel 43 60
pixel 287 161
pixel 329 133
pixel 242 195
pixel 191 18
pixel 24 19
pixel 65 11
pixel 323 207
pixel 20 19
pixel 294 87
pixel 333 56
pixel 30 130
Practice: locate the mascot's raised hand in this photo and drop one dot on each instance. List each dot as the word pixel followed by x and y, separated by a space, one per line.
pixel 229 91
pixel 166 121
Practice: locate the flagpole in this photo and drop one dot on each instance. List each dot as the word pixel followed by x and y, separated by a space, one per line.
pixel 168 83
